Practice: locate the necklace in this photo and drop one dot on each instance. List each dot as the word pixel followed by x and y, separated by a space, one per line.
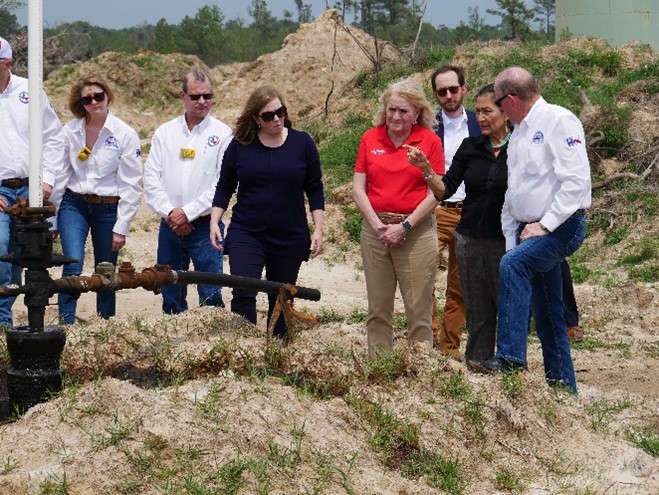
pixel 497 147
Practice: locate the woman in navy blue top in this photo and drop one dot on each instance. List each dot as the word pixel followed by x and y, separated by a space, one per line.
pixel 272 166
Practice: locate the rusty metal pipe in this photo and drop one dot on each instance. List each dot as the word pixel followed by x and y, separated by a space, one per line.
pixel 245 283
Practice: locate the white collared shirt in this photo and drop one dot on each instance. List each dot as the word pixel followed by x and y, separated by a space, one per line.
pixel 455 131
pixel 548 170
pixel 114 167
pixel 14 134
pixel 172 180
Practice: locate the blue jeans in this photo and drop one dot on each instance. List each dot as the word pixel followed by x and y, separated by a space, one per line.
pixel 247 260
pixel 9 274
pixel 75 218
pixel 177 251
pixel 530 279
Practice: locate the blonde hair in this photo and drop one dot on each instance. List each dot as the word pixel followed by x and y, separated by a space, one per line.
pixel 412 91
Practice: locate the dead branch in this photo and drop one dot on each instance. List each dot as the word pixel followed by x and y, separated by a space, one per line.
pixel 649 169
pixel 613 178
pixel 594 137
pixel 418 31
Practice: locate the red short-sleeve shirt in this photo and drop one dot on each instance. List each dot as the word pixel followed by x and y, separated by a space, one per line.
pixel 393 184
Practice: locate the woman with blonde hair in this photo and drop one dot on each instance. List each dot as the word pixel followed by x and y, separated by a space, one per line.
pixel 398 236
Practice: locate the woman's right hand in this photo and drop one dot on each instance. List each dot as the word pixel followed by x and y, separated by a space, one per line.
pixel 216 237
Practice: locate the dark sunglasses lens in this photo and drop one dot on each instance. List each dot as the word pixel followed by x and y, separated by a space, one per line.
pixel 270 116
pixel 87 100
pixel 207 96
pixel 453 89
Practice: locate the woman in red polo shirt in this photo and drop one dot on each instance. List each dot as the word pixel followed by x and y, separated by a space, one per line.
pixel 398 237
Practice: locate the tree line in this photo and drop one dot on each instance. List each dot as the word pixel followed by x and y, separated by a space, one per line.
pixel 216 40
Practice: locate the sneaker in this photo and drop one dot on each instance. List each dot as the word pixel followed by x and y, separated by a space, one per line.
pixel 495 365
pixel 575 334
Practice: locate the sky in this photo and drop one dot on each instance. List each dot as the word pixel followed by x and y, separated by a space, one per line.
pixel 128 13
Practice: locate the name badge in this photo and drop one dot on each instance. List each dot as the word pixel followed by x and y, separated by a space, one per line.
pixel 186 153
pixel 84 153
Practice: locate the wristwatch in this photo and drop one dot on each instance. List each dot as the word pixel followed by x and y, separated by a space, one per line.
pixel 406 225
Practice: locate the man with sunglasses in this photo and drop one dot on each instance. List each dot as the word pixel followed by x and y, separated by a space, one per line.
pixel 543 222
pixel 179 183
pixel 453 124
pixel 14 156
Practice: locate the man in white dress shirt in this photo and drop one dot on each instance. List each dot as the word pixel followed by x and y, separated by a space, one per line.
pixel 180 175
pixel 543 221
pixel 453 124
pixel 14 157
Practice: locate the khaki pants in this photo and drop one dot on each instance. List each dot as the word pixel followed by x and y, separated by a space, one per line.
pixel 447 332
pixel 412 267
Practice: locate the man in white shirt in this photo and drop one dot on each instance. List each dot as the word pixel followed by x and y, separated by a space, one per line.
pixel 14 161
pixel 543 222
pixel 180 175
pixel 453 124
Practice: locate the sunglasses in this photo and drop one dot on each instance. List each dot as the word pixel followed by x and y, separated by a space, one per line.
pixel 442 91
pixel 498 101
pixel 207 96
pixel 270 116
pixel 87 100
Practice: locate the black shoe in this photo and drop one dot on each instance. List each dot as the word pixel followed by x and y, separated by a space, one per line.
pixel 495 365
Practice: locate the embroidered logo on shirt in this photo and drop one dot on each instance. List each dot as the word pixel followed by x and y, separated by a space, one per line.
pixel 111 142
pixel 23 97
pixel 538 138
pixel 572 141
pixel 377 152
pixel 213 141
pixel 138 152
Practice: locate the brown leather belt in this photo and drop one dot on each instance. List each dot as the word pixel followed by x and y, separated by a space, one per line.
pixel 15 183
pixel 95 199
pixel 451 204
pixel 391 218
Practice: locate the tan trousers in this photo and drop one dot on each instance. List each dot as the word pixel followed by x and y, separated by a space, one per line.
pixel 412 267
pixel 448 331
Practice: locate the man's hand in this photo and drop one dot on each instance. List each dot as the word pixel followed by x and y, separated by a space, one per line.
pixel 47 190
pixel 118 241
pixel 532 230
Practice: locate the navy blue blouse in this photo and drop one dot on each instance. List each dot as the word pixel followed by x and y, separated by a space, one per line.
pixel 271 184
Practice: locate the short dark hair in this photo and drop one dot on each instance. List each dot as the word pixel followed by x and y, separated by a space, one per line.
pixel 459 71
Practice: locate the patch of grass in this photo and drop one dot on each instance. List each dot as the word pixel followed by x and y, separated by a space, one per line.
pixel 646 439
pixel 593 344
pixel 399 320
pixel 509 480
pixel 353 225
pixel 358 315
pixel 386 366
pixel 615 236
pixel 440 472
pixel 646 249
pixel 601 411
pixel 329 315
pixel 647 273
pixel 339 152
pixel 455 386
pixel 55 485
pixel 512 384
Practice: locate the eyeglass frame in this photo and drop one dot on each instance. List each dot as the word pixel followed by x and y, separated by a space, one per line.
pixel 93 97
pixel 205 96
pixel 452 89
pixel 270 116
pixel 498 101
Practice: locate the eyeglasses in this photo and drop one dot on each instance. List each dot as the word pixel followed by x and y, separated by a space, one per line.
pixel 442 91
pixel 207 96
pixel 87 100
pixel 498 101
pixel 270 116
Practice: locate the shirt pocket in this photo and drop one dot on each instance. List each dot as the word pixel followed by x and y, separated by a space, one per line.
pixel 536 162
pixel 107 160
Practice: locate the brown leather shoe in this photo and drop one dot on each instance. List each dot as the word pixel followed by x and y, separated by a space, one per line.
pixel 575 334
